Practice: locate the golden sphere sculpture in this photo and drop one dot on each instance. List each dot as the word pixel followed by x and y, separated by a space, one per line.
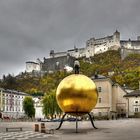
pixel 76 94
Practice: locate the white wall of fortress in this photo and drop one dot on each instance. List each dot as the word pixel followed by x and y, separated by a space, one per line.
pixel 32 67
pixel 104 44
pixel 94 46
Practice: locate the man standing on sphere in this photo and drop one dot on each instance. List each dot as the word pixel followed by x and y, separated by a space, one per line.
pixel 76 66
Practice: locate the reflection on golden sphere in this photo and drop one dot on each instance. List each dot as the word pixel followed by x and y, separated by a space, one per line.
pixel 76 94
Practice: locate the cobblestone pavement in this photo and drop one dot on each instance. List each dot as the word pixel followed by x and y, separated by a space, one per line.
pixel 127 129
pixel 25 135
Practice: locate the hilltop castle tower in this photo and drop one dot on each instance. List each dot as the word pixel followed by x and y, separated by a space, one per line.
pixel 96 46
pixel 33 66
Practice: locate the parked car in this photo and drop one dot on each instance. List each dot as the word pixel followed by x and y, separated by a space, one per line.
pixel 72 119
pixel 56 120
pixel 43 120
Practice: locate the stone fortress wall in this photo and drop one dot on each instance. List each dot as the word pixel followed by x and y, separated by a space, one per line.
pixel 130 46
pixel 57 63
pixel 125 52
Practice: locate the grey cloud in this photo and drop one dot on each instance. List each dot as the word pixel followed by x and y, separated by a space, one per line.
pixel 31 28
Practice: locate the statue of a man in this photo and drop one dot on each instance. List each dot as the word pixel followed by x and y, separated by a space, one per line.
pixel 77 66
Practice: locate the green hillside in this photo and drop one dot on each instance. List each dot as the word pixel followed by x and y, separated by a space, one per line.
pixel 125 71
pixel 109 64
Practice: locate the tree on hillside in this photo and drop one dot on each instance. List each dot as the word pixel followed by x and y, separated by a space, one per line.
pixel 50 106
pixel 9 82
pixel 28 106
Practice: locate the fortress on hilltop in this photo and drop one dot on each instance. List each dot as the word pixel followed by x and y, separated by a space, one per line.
pixel 93 46
pixel 60 60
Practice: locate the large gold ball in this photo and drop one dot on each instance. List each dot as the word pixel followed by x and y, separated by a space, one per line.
pixel 76 94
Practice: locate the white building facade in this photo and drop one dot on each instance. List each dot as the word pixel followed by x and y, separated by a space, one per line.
pixel 111 102
pixel 133 101
pixel 11 103
pixel 38 108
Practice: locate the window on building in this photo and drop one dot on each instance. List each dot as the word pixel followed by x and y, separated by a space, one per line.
pixel 99 89
pixel 136 102
pixel 100 100
pixel 136 109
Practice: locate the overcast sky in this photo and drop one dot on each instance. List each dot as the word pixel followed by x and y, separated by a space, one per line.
pixel 29 29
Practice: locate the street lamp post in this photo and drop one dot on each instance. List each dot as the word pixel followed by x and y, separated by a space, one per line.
pixel 128 107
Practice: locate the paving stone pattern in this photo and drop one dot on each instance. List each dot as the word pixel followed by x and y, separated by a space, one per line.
pixel 23 135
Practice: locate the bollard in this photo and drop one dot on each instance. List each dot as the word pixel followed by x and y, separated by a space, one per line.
pixel 36 128
pixel 43 128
